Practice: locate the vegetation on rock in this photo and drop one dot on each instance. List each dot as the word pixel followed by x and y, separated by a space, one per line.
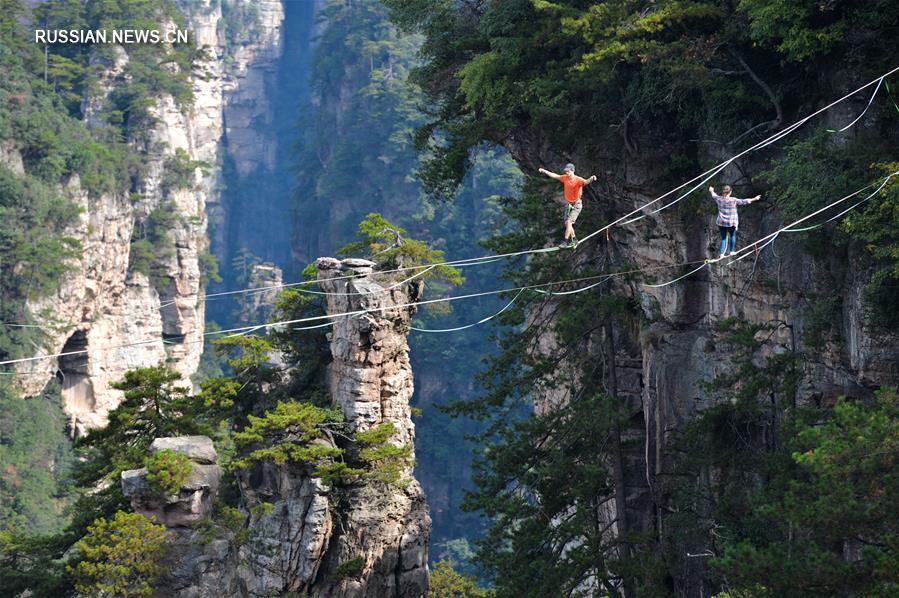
pixel 167 470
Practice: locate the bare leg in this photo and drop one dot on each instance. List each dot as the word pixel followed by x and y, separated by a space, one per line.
pixel 569 230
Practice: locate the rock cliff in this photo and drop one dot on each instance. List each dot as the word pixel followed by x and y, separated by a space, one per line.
pixel 362 539
pixel 105 303
pixel 679 340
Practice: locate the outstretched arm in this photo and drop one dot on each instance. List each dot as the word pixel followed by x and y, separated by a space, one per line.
pixel 743 202
pixel 590 180
pixel 714 195
pixel 551 175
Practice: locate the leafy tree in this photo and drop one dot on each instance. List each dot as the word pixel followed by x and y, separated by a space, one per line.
pixel 153 406
pixel 119 556
pixel 384 243
pixel 875 227
pixel 31 563
pixel 299 432
pixel 446 582
pixel 291 433
pixel 825 523
pixel 35 457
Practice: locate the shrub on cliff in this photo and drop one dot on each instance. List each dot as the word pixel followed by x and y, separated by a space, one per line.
pixel 446 582
pixel 167 470
pixel 298 432
pixel 119 557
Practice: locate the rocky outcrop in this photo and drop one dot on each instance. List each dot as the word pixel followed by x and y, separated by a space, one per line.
pixel 370 378
pixel 193 502
pixel 364 539
pixel 104 305
pixel 266 281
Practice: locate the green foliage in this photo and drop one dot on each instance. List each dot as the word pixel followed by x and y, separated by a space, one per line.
pixel 31 563
pixel 839 471
pixel 299 432
pixel 293 432
pixel 446 582
pixel 383 242
pixel 255 380
pixel 119 556
pixel 876 228
pixel 662 74
pixel 35 457
pixel 152 244
pixel 153 406
pixel 386 462
pixel 350 568
pixel 361 58
pixel 167 470
pixel 209 268
pixel 180 171
pixel 801 29
pixel 36 253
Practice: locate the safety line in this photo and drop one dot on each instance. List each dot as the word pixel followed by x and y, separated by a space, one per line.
pixel 276 325
pixel 704 177
pixel 858 118
pixel 187 342
pixel 484 259
pixel 832 218
pixel 481 321
pixel 657 286
pixel 771 237
pixel 476 261
pixel 759 145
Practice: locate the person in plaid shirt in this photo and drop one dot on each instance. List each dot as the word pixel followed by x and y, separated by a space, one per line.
pixel 728 220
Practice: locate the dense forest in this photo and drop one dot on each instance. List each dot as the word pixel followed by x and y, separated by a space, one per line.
pixel 634 421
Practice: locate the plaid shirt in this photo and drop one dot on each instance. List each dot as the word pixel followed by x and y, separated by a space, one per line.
pixel 727 210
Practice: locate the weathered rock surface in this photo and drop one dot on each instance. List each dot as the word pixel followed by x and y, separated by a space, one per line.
pixel 103 304
pixel 193 502
pixel 370 378
pixel 299 544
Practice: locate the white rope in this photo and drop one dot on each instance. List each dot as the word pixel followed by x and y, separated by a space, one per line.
pixel 575 291
pixel 481 321
pixel 832 218
pixel 382 290
pixel 311 318
pixel 665 284
pixel 488 258
pixel 753 148
pixel 771 237
pixel 704 177
pixel 698 185
pixel 858 118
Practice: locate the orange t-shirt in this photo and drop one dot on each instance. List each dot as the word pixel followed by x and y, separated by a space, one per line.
pixel 574 186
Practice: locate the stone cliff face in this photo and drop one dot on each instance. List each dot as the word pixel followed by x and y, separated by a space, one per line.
pixel 365 539
pixel 104 303
pixel 665 363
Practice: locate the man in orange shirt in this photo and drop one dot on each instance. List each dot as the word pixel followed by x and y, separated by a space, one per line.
pixel 574 186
